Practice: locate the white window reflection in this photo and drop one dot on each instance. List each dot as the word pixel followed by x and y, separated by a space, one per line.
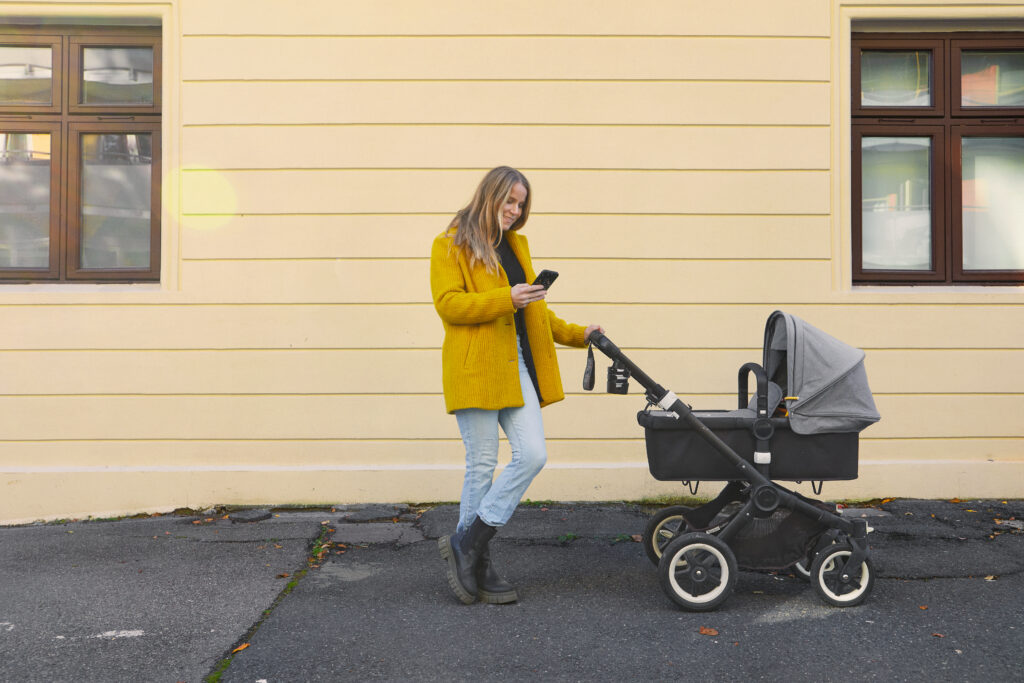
pixel 24 200
pixel 896 213
pixel 26 75
pixel 993 203
pixel 117 75
pixel 116 183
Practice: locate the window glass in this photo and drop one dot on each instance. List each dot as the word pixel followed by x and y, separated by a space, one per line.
pixel 993 203
pixel 896 198
pixel 116 180
pixel 991 79
pixel 26 73
pixel 117 75
pixel 24 200
pixel 895 78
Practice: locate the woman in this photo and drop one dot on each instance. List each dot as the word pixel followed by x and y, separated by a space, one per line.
pixel 498 368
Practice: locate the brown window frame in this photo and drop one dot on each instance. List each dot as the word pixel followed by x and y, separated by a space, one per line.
pixel 946 123
pixel 66 120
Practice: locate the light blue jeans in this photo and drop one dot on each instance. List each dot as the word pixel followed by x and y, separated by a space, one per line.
pixel 494 500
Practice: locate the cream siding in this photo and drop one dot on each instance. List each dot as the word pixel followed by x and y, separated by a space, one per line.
pixel 688 165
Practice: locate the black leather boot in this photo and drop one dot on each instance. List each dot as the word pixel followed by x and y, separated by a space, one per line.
pixel 490 587
pixel 462 551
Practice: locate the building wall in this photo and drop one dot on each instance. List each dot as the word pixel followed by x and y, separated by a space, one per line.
pixel 687 161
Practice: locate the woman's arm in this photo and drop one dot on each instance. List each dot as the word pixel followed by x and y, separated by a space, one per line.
pixel 453 303
pixel 565 333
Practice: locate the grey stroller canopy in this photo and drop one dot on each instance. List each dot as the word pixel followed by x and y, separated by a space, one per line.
pixel 823 380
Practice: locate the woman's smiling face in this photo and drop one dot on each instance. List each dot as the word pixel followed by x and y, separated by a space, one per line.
pixel 513 207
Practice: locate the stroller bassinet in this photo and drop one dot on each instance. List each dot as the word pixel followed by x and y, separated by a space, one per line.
pixel 812 400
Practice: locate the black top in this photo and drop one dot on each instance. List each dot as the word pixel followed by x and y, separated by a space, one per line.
pixel 516 276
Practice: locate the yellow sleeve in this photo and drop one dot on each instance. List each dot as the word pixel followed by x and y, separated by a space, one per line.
pixel 453 302
pixel 567 334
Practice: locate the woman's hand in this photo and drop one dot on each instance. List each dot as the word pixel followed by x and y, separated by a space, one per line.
pixel 592 328
pixel 524 294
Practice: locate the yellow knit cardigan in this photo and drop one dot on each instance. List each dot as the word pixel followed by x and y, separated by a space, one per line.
pixel 479 362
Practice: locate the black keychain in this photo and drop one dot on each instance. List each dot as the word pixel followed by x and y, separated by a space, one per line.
pixel 588 373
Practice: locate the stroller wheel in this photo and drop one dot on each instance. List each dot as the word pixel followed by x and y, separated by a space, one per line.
pixel 803 569
pixel 827 580
pixel 698 571
pixel 662 528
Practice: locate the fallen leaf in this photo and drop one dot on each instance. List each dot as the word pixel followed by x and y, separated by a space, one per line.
pixel 277 546
pixel 887 500
pixel 990 577
pixel 938 635
pixel 226 517
pixel 922 607
pixel 326 522
pixel 283 575
pixel 208 519
pixel 240 648
pixel 955 500
pixel 637 538
pixel 705 631
pixel 197 521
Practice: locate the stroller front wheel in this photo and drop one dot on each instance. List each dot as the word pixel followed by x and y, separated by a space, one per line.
pixel 697 571
pixel 827 576
pixel 662 528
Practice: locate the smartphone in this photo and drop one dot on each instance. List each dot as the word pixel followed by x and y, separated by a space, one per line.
pixel 545 278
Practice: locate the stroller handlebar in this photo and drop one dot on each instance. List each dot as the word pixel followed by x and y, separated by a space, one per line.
pixel 654 391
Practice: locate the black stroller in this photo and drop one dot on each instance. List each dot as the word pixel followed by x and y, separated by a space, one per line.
pixel 812 400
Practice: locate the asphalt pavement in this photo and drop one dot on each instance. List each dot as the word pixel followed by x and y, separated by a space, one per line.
pixel 356 593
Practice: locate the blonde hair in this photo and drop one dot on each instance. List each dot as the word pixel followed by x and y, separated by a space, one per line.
pixel 477 226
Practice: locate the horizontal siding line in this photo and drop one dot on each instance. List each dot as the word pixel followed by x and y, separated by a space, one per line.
pixel 222 81
pixel 563 169
pixel 426 124
pixel 421 394
pixel 452 440
pixel 484 169
pixel 371 467
pixel 449 214
pixel 323 349
pixel 681 259
pixel 437 349
pixel 410 466
pixel 426 303
pixel 515 36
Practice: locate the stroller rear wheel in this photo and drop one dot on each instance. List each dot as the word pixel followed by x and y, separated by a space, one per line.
pixel 662 528
pixel 698 571
pixel 827 576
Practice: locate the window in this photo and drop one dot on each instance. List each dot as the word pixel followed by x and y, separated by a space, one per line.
pixel 80 154
pixel 938 158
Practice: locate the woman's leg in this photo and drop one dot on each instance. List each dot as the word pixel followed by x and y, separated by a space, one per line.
pixel 525 431
pixel 479 429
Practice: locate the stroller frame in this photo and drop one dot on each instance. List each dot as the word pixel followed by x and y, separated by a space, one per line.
pixel 697 566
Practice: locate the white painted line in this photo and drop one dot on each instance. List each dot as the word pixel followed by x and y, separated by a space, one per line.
pixel 120 634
